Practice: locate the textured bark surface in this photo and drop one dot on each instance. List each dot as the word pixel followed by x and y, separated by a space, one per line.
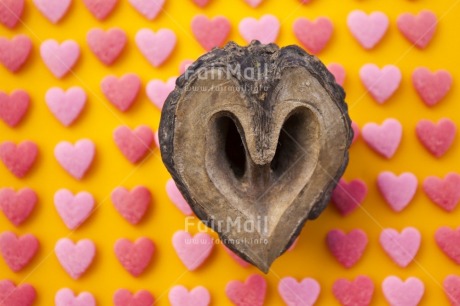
pixel 256 138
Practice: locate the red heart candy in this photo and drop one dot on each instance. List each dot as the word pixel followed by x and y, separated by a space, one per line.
pixel 437 138
pixel 252 292
pixel 448 241
pixel 17 206
pixel 18 251
pixel 134 257
pixel 134 144
pixel 14 53
pixel 431 87
pixel 419 29
pixel 348 196
pixel 100 8
pixel 133 204
pixel 107 46
pixel 141 298
pixel 18 158
pixel 121 92
pixel 443 192
pixel 11 12
pixel 356 293
pixel 452 289
pixel 314 35
pixel 210 33
pixel 14 106
pixel 347 248
pixel 11 295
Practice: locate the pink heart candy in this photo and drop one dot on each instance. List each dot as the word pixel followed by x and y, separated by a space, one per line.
pixel 176 197
pixel 347 248
pixel 295 293
pixel 431 87
pixel 355 128
pixel 100 8
pixel 75 159
pixel 443 192
pixel 338 71
pixel 355 293
pixel 11 295
pixel 419 29
pixel 66 106
pixel 18 251
pixel 148 8
pixel 18 158
pixel 53 10
pixel 313 35
pixel 13 107
pixel 134 145
pixel 14 52
pixel 184 65
pixel 158 91
pixel 401 247
pixel 398 191
pixel 180 296
pixel 107 46
pixel 201 3
pixel 348 196
pixel 121 92
pixel 11 12
pixel 381 83
pixel 156 47
pixel 210 33
pixel 383 139
pixel 367 29
pixel 265 29
pixel 17 206
pixel 132 205
pixel 448 241
pixel 66 297
pixel 134 257
pixel 60 59
pixel 251 292
pixel 141 298
pixel 253 3
pixel 437 138
pixel 399 293
pixel 73 210
pixel 192 251
pixel 75 258
pixel 451 286
pixel 236 258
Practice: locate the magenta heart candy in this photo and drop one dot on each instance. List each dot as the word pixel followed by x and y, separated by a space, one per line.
pixel 148 8
pixel 11 12
pixel 296 293
pixel 180 296
pixel 141 298
pixel 451 286
pixel 399 293
pixel 401 247
pixel 158 91
pixel 176 197
pixel 348 196
pixel 121 92
pixel 431 87
pixel 419 30
pixel 66 106
pixel 381 83
pixel 17 206
pixel 384 139
pixel 73 209
pixel 59 58
pixel 192 251
pixel 66 297
pixel 75 258
pixel 338 71
pixel 134 145
pixel 367 29
pixel 132 205
pixel 18 251
pixel 314 35
pixel 347 248
pixel 134 257
pixel 437 138
pixel 14 52
pixel 265 29
pixel 398 191
pixel 11 295
pixel 100 8
pixel 355 293
pixel 251 292
pixel 18 158
pixel 448 241
pixel 210 33
pixel 75 159
pixel 443 192
pixel 53 10
pixel 107 46
pixel 13 107
pixel 156 47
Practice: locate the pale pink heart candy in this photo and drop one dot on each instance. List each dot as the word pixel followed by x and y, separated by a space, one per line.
pixel 451 286
pixel 236 258
pixel 403 293
pixel 384 139
pixel 347 248
pixel 134 257
pixel 401 247
pixel 381 83
pixel 192 251
pixel 100 8
pixel 156 47
pixel 398 191
pixel 180 296
pixel 141 298
pixel 134 145
pixel 18 158
pixel 184 65
pixel 158 91
pixel 11 12
pixel 53 10
pixel 107 46
pixel 354 293
pixel 73 209
pixel 60 59
pixel 11 295
pixel 121 92
pixel 367 29
pixel 296 293
pixel 13 107
pixel 436 138
pixel 66 297
pixel 448 241
pixel 347 196
pixel 14 52
pixel 251 292
pixel 356 132
pixel 431 87
pixel 314 35
pixel 66 106
pixel 338 71
pixel 17 206
pixel 265 29
pixel 176 197
pixel 210 33
pixel 75 159
pixel 132 205
pixel 148 8
pixel 75 258
pixel 419 29
pixel 18 251
pixel 443 192
pixel 253 3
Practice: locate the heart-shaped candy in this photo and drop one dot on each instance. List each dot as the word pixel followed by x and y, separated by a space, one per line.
pixel 107 46
pixel 381 83
pixel 14 52
pixel 192 251
pixel 251 292
pixel 314 35
pixel 13 107
pixel 75 159
pixel 403 293
pixel 180 296
pixel 437 138
pixel 18 251
pixel 141 298
pixel 134 257
pixel 158 91
pixel 401 247
pixel 11 12
pixel 18 158
pixel 156 47
pixel 66 106
pixel 348 196
pixel 443 192
pixel 75 258
pixel 17 206
pixel 432 87
pixel 66 297
pixel 398 191
pixel 11 295
pixel 134 145
pixel 59 58
pixel 347 248
pixel 296 293
pixel 384 139
pixel 419 30
pixel 121 92
pixel 73 209
pixel 53 10
pixel 367 29
pixel 210 33
pixel 132 205
pixel 265 29
pixel 100 8
pixel 358 292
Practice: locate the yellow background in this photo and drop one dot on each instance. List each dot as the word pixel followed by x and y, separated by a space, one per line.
pixel 110 169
